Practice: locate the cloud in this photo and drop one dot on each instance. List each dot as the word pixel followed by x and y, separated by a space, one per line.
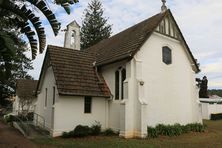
pixel 199 20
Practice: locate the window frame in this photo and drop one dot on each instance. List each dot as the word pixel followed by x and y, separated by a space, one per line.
pixel 87 103
pixel 117 78
pixel 53 95
pixel 166 55
pixel 46 97
pixel 120 77
pixel 123 78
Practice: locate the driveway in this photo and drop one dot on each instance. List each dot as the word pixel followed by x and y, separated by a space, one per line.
pixel 11 138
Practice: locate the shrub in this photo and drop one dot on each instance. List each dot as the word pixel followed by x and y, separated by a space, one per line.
pixel 9 118
pixel 109 132
pixel 185 129
pixel 30 116
pixel 66 135
pixel 216 116
pixel 81 131
pixel 196 127
pixel 96 129
pixel 174 130
pixel 152 132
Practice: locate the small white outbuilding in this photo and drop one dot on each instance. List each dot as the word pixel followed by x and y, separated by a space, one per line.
pixel 211 105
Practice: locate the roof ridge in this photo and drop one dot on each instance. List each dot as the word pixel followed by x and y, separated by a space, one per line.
pixel 127 29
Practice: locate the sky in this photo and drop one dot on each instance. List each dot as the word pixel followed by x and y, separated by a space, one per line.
pixel 199 20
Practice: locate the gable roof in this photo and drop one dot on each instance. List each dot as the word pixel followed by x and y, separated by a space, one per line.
pixel 74 71
pixel 75 74
pixel 126 43
pixel 26 88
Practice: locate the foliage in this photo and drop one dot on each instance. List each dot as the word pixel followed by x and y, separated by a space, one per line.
pixel 13 65
pixel 15 19
pixel 152 132
pixel 109 132
pixel 174 130
pixel 96 129
pixel 81 131
pixel 67 135
pixel 94 26
pixel 215 92
pixel 217 116
pixel 9 118
pixel 196 127
pixel 22 17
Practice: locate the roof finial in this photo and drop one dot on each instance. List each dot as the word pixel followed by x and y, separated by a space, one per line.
pixel 163 7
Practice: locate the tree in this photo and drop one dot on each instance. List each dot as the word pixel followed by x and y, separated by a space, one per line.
pixel 94 26
pixel 22 15
pixel 13 62
pixel 14 65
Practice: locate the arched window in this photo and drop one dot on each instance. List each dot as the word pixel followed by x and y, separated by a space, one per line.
pixel 73 37
pixel 123 78
pixel 120 77
pixel 166 55
pixel 117 85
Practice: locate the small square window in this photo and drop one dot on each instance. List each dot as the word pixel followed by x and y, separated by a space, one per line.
pixel 87 104
pixel 167 55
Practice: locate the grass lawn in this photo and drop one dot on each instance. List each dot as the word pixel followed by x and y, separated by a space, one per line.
pixel 211 138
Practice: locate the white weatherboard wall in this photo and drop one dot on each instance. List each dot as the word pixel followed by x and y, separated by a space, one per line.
pixel 122 112
pixel 208 109
pixel 69 112
pixel 169 90
pixel 113 105
pixel 17 107
pixel 47 112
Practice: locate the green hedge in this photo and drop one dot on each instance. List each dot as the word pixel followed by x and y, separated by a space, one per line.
pixel 216 116
pixel 174 130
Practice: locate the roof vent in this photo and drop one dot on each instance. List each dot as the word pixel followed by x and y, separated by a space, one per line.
pixel 163 7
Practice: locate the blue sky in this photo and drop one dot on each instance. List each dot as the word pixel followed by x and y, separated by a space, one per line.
pixel 199 20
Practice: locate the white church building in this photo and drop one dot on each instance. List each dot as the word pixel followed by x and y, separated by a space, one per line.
pixel 142 76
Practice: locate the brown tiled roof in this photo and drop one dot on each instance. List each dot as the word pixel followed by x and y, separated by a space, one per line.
pixel 75 74
pixel 26 88
pixel 126 43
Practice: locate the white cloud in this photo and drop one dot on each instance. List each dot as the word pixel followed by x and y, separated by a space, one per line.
pixel 199 20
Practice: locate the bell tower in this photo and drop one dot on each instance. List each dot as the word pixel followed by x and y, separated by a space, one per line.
pixel 72 36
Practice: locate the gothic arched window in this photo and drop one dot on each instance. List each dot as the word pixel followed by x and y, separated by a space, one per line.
pixel 123 78
pixel 166 55
pixel 117 85
pixel 73 37
pixel 120 77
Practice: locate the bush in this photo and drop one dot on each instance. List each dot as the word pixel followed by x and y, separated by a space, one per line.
pixel 152 132
pixel 96 129
pixel 185 129
pixel 30 116
pixel 196 127
pixel 174 130
pixel 67 134
pixel 81 131
pixel 9 118
pixel 109 132
pixel 216 116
